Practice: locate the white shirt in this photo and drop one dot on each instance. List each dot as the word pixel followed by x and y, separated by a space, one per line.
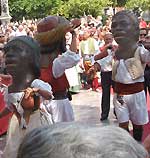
pixel 63 62
pixel 106 62
pixel 15 97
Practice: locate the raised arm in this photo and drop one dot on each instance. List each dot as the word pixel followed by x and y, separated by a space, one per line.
pixel 73 46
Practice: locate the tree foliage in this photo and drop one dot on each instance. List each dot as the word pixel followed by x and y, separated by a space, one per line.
pixel 121 3
pixel 68 8
pixel 31 8
pixel 143 4
pixel 78 8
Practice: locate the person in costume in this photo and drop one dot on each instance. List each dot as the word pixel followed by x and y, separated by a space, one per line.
pixel 26 92
pixel 128 73
pixel 55 59
pixel 88 46
pixel 105 63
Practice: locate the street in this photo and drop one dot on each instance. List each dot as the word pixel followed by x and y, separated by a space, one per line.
pixel 86 105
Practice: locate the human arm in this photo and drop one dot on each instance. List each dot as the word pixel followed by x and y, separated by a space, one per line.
pixel 146 143
pixel 144 55
pixel 40 87
pixel 73 46
pixel 74 24
pixel 103 52
pixel 44 93
pixel 97 67
pixel 63 62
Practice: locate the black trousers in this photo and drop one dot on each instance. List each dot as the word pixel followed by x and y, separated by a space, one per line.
pixel 106 82
pixel 147 81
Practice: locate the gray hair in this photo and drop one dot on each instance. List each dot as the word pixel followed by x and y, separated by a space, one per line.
pixel 80 141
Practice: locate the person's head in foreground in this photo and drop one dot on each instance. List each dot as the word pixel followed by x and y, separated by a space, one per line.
pixel 73 140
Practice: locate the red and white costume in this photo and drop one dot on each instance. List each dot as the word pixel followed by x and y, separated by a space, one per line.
pixel 60 107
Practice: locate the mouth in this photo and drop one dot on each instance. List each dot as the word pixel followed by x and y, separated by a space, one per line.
pixel 10 68
pixel 118 38
pixel 119 35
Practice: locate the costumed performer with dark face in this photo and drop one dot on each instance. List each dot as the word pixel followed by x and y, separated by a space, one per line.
pixel 26 92
pixel 128 73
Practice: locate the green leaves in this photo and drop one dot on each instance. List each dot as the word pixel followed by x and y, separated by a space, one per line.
pixel 143 4
pixel 31 8
pixel 68 8
pixel 77 8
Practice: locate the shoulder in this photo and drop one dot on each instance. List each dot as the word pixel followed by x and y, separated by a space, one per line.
pixel 141 50
pixel 38 82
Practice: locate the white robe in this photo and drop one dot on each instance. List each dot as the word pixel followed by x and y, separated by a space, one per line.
pixel 15 132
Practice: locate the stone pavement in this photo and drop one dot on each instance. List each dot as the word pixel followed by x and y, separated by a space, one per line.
pixel 86 105
pixel 2 144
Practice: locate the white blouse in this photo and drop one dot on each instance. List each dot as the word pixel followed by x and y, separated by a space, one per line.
pixel 64 61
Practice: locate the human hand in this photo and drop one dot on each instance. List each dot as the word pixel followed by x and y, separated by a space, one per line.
pixel 97 67
pixel 74 23
pixel 120 99
pixel 29 92
pixel 109 46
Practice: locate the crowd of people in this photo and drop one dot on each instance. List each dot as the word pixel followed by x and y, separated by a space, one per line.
pixel 35 56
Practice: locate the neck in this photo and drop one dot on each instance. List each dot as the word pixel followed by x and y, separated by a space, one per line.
pixel 21 83
pixel 46 59
pixel 125 52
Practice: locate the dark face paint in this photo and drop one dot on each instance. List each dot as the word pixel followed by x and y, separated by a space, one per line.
pixel 123 29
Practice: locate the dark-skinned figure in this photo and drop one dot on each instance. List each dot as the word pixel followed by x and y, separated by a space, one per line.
pixel 128 73
pixel 26 93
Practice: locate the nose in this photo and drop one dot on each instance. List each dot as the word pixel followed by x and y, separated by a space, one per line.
pixel 118 27
pixel 10 58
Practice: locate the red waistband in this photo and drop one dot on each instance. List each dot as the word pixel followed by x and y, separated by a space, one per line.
pixel 126 89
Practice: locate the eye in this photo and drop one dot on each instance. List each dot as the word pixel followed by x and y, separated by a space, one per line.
pixel 124 23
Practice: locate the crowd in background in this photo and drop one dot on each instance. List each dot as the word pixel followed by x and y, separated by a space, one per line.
pixel 94 37
pixel 90 37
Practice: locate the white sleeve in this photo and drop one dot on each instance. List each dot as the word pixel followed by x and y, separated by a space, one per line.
pixel 14 99
pixel 37 83
pixel 65 61
pixel 145 55
pixel 4 92
pixel 80 52
pixel 8 105
pixel 96 46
